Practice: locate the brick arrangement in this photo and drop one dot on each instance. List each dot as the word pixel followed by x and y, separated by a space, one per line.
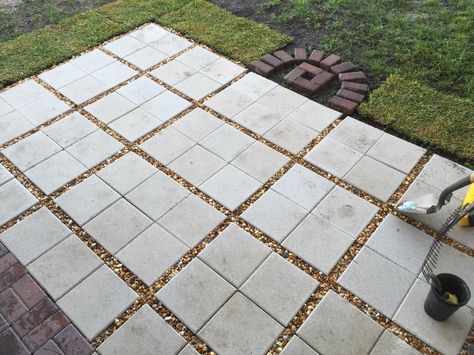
pixel 30 322
pixel 316 72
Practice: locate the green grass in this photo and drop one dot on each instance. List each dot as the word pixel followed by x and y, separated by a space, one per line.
pixel 31 53
pixel 232 36
pixel 437 120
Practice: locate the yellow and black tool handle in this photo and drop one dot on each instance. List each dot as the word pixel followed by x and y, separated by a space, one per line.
pixel 468 220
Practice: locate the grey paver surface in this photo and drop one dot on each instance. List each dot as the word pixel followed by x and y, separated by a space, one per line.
pixel 91 306
pixel 199 137
pixel 336 324
pixel 144 333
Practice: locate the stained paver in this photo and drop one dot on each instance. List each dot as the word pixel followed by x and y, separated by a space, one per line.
pixel 240 327
pixel 200 286
pixel 336 324
pixel 144 333
pixel 91 306
pixel 265 288
pixel 291 135
pixel 258 118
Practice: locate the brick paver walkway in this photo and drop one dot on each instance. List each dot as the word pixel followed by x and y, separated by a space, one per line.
pixel 169 202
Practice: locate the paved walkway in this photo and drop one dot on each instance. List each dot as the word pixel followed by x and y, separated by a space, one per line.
pixel 170 202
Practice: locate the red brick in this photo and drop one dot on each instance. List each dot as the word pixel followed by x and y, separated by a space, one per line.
pixel 293 75
pixel 11 344
pixel 12 275
pixel 343 67
pixel 29 291
pixel 310 68
pixel 316 57
pixel 72 342
pixel 261 68
pixel 272 61
pixel 351 95
pixel 327 63
pixel 6 262
pixel 305 86
pixel 52 326
pixel 300 54
pixel 45 309
pixel 50 348
pixel 357 87
pixel 357 76
pixel 11 306
pixel 284 57
pixel 323 79
pixel 346 106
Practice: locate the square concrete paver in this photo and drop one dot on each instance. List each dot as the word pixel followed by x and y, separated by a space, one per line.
pixel 13 125
pixel 227 142
pixel 240 327
pixel 222 70
pixel 171 44
pixel 5 175
pixel 282 100
pixel 166 105
pixel 291 135
pixel 401 243
pixel 15 200
pixel 314 115
pixel 62 75
pixel 265 288
pixel 396 152
pixel 70 129
pixel 333 156
pixel 124 45
pixel 234 254
pixel 167 145
pixel 197 124
pixel 23 94
pixel 83 89
pixel 34 235
pixel 150 254
pixel 441 172
pixel 94 148
pixel 229 102
pixel 188 350
pixel 378 281
pixel 230 186
pixel 274 215
pixel 55 172
pixel 346 211
pixel 355 134
pixel 117 225
pixel 94 303
pixel 135 124
pixel 336 324
pixel 149 33
pixel 258 118
pixel 44 109
pixel 30 151
pixel 92 61
pixel 172 72
pixel 254 85
pixel 110 107
pixel 157 195
pixel 126 173
pixel 87 199
pixel 446 337
pixel 260 161
pixel 64 266
pixel 389 344
pixel 113 74
pixel 191 220
pixel 296 346
pixel 199 286
pixel 140 90
pixel 375 178
pixel 197 58
pixel 197 165
pixel 197 86
pixel 145 58
pixel 303 186
pixel 145 333
pixel 318 243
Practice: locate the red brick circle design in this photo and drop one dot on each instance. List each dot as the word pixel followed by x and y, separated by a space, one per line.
pixel 315 73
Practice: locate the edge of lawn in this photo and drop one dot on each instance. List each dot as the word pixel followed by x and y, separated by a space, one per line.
pixel 236 37
pixel 424 115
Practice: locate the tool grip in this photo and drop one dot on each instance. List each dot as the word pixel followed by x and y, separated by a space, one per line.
pixel 446 194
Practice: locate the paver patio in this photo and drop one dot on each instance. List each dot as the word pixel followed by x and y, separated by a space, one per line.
pixel 172 203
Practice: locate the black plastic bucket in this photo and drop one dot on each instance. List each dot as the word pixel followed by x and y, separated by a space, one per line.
pixel 440 309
